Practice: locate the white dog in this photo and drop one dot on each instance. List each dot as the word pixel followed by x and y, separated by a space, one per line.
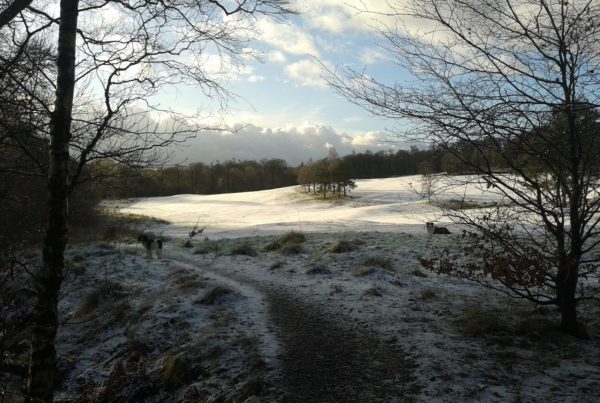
pixel 151 244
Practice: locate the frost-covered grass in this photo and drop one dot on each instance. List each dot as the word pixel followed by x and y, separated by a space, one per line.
pixel 137 329
pixel 195 325
pixel 470 343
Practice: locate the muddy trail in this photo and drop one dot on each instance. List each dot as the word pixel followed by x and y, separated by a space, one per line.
pixel 326 358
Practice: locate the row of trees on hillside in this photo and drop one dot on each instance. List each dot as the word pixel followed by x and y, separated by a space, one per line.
pixel 197 178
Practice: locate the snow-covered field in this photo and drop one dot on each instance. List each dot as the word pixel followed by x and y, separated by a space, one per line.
pixel 466 343
pixel 389 205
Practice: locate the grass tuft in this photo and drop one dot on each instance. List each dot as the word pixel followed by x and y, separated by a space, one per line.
pixel 477 321
pixel 377 261
pixel 212 296
pixel 292 237
pixel 362 271
pixel 105 292
pixel 344 246
pixel 245 249
pixel 207 247
pixel 418 273
pixel 318 268
pixel 276 265
pixel 176 372
pixel 374 291
pixel 292 249
pixel 288 244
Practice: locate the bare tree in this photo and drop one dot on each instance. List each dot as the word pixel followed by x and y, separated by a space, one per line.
pixel 113 66
pixel 516 80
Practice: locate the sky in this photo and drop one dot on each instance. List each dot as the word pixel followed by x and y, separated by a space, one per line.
pixel 284 107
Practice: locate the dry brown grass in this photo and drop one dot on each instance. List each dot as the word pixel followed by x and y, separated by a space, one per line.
pixel 289 243
pixel 344 246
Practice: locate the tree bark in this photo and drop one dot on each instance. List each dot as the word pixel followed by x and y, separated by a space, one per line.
pixel 566 286
pixel 12 10
pixel 48 279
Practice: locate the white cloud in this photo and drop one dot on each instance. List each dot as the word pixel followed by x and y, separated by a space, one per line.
pixel 306 72
pixel 333 20
pixel 288 38
pixel 369 139
pixel 338 17
pixel 276 56
pixel 255 78
pixel 293 144
pixel 222 67
pixel 373 56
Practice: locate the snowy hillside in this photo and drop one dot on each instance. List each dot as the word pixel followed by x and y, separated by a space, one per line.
pixel 389 205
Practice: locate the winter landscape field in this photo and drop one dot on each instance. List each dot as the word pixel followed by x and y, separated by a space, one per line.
pixel 286 297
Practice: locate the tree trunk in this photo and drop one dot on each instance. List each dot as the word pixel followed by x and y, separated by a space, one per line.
pixel 48 279
pixel 566 286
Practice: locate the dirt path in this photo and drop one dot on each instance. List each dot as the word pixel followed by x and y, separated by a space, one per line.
pixel 327 359
pixel 325 356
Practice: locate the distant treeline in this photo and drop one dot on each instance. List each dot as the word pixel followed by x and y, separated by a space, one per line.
pixel 242 176
pixel 198 178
